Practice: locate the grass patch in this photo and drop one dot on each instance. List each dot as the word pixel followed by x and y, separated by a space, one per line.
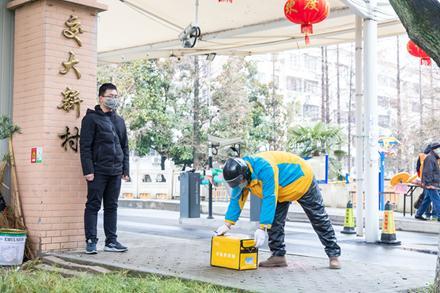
pixel 13 281
pixel 428 289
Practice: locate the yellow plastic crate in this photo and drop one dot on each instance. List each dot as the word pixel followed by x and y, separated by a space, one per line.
pixel 234 252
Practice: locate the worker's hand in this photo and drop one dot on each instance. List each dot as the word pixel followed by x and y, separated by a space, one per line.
pixel 125 178
pixel 259 237
pixel 90 177
pixel 223 229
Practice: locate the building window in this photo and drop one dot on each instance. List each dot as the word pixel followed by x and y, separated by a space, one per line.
pixel 416 107
pixel 311 111
pixel 295 61
pixel 311 63
pixel 293 84
pixel 394 103
pixel 311 86
pixel 383 101
pixel 384 120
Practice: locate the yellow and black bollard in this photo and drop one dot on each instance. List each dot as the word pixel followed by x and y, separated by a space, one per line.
pixel 388 228
pixel 349 220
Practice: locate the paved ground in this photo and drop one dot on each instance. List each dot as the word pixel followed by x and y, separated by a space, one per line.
pixel 158 243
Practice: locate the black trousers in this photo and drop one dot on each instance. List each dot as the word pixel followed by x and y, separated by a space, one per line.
pixel 313 206
pixel 105 189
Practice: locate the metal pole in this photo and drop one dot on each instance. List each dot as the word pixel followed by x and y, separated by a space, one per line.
pixel 371 154
pixel 382 181
pixel 197 14
pixel 359 134
pixel 421 97
pixel 210 183
pixel 137 177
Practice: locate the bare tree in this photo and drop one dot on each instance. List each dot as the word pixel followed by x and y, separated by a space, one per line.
pixel 421 98
pixel 322 85
pixel 399 102
pixel 327 87
pixel 338 88
pixel 196 108
pixel 350 114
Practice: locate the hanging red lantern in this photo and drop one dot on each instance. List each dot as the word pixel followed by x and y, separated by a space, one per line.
pixel 416 51
pixel 306 13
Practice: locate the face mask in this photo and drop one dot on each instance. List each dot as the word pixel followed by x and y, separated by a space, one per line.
pixel 111 103
pixel 437 151
pixel 243 185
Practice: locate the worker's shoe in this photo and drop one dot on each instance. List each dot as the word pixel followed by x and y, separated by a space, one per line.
pixel 274 261
pixel 334 263
pixel 420 218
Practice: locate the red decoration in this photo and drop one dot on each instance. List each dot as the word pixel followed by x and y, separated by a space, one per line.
pixel 416 51
pixel 306 13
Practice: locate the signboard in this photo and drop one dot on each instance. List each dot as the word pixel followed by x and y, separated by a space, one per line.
pixel 36 155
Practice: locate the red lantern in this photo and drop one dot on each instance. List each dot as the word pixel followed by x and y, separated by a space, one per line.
pixel 306 13
pixel 416 51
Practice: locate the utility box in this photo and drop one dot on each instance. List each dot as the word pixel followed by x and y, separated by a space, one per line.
pixel 190 195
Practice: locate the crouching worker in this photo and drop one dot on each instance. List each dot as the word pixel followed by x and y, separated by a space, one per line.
pixel 278 178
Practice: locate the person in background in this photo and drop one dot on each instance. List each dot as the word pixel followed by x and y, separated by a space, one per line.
pixel 430 181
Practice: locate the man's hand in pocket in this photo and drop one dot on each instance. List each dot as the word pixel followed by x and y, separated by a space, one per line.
pixel 90 177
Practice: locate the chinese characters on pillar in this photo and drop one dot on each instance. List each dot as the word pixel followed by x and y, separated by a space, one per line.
pixel 70 101
pixel 70 97
pixel 73 29
pixel 69 139
pixel 70 64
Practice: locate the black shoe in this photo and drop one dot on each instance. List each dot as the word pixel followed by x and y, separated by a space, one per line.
pixel 115 246
pixel 420 218
pixel 91 246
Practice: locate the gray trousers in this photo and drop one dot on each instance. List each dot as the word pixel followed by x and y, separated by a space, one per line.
pixel 313 206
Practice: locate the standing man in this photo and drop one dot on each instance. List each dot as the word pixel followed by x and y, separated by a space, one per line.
pixel 278 178
pixel 419 169
pixel 431 182
pixel 104 160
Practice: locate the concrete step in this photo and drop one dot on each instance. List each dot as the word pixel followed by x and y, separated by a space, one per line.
pixel 54 261
pixel 63 271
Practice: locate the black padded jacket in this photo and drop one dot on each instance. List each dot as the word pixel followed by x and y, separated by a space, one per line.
pixel 104 143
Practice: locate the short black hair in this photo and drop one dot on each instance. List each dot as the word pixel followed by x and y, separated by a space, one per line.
pixel 106 86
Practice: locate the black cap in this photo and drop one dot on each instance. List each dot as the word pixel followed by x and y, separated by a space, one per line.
pixel 435 145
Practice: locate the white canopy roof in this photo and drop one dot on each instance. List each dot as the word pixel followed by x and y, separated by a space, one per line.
pixel 132 29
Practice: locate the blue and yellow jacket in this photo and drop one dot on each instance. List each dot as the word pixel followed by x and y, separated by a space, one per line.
pixel 276 177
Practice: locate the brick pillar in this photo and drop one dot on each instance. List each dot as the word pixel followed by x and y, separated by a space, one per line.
pixel 53 192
